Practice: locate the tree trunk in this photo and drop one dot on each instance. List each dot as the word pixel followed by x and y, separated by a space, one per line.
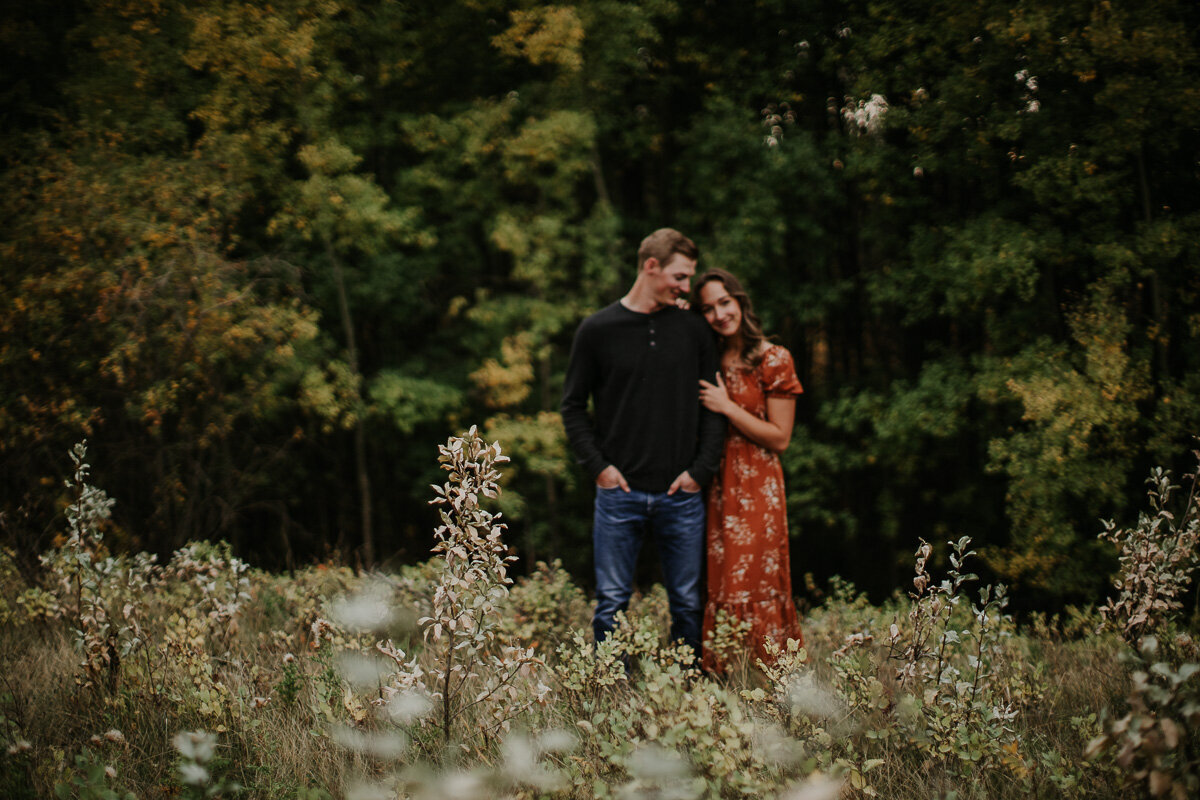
pixel 360 433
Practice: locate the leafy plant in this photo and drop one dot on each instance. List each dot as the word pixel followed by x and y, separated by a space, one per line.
pixel 1158 556
pixel 471 667
pixel 89 779
pixel 1158 740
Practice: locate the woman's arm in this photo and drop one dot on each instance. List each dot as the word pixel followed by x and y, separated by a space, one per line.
pixel 773 433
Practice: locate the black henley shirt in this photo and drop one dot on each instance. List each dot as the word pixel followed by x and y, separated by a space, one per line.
pixel 642 372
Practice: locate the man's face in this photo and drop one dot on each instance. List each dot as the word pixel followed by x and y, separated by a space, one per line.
pixel 671 280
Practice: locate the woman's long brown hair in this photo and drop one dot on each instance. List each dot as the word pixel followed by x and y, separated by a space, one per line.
pixel 751 329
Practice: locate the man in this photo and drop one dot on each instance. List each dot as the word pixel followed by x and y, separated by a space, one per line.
pixel 649 444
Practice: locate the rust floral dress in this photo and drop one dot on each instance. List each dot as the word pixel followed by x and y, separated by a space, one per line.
pixel 749 572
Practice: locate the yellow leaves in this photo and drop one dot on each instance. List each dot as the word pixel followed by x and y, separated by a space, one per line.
pixel 328 157
pixel 548 35
pixel 331 395
pixel 561 138
pixel 506 382
pixel 539 442
pixel 1010 757
pixel 358 712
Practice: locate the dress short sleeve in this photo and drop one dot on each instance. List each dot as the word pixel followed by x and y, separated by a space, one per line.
pixel 779 373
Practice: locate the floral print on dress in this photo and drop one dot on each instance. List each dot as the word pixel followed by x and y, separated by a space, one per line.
pixel 749 570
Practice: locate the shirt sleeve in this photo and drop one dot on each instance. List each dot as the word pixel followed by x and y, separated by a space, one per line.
pixel 779 374
pixel 711 439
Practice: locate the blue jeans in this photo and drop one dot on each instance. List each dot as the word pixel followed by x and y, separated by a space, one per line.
pixel 677 523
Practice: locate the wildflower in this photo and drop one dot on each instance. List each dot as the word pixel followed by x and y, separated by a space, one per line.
pixel 110 772
pixel 521 765
pixel 654 762
pixel 865 116
pixel 366 611
pixel 19 746
pixel 361 670
pixel 368 791
pixel 196 746
pixel 557 741
pixel 817 787
pixel 386 746
pixel 811 700
pixel 320 627
pixel 408 706
pixel 464 785
pixel 193 774
pixel 114 735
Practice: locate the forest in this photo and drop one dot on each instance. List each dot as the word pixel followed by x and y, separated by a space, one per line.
pixel 265 257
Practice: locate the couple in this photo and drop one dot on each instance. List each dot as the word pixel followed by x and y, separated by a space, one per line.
pixel 663 388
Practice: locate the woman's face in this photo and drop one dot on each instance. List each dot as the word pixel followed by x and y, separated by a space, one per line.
pixel 720 309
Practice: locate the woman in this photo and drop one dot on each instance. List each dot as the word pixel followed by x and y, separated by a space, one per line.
pixel 749 574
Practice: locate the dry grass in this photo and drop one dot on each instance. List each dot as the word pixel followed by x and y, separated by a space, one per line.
pixel 921 697
pixel 286 747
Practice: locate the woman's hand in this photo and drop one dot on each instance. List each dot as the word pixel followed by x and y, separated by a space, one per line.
pixel 715 398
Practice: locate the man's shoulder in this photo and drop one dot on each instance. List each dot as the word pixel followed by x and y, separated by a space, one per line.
pixel 690 320
pixel 613 309
pixel 609 314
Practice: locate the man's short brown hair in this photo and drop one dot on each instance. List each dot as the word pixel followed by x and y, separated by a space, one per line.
pixel 664 243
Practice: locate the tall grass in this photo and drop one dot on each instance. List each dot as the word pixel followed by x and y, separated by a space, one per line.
pixel 203 678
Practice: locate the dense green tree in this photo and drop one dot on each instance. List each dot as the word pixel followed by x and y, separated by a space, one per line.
pixel 268 255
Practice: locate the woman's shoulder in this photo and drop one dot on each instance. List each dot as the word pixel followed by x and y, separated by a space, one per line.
pixel 777 372
pixel 774 354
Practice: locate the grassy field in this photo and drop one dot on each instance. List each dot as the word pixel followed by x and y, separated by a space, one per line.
pixel 203 678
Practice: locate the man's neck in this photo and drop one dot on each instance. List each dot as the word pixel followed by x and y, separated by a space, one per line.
pixel 640 300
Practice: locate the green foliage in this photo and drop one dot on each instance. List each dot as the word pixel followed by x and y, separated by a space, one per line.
pixel 264 253
pixel 89 780
pixel 408 402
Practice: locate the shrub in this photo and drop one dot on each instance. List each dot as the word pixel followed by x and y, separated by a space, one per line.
pixel 1158 556
pixel 1158 740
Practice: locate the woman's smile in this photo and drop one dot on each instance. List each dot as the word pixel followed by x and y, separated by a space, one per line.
pixel 720 309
